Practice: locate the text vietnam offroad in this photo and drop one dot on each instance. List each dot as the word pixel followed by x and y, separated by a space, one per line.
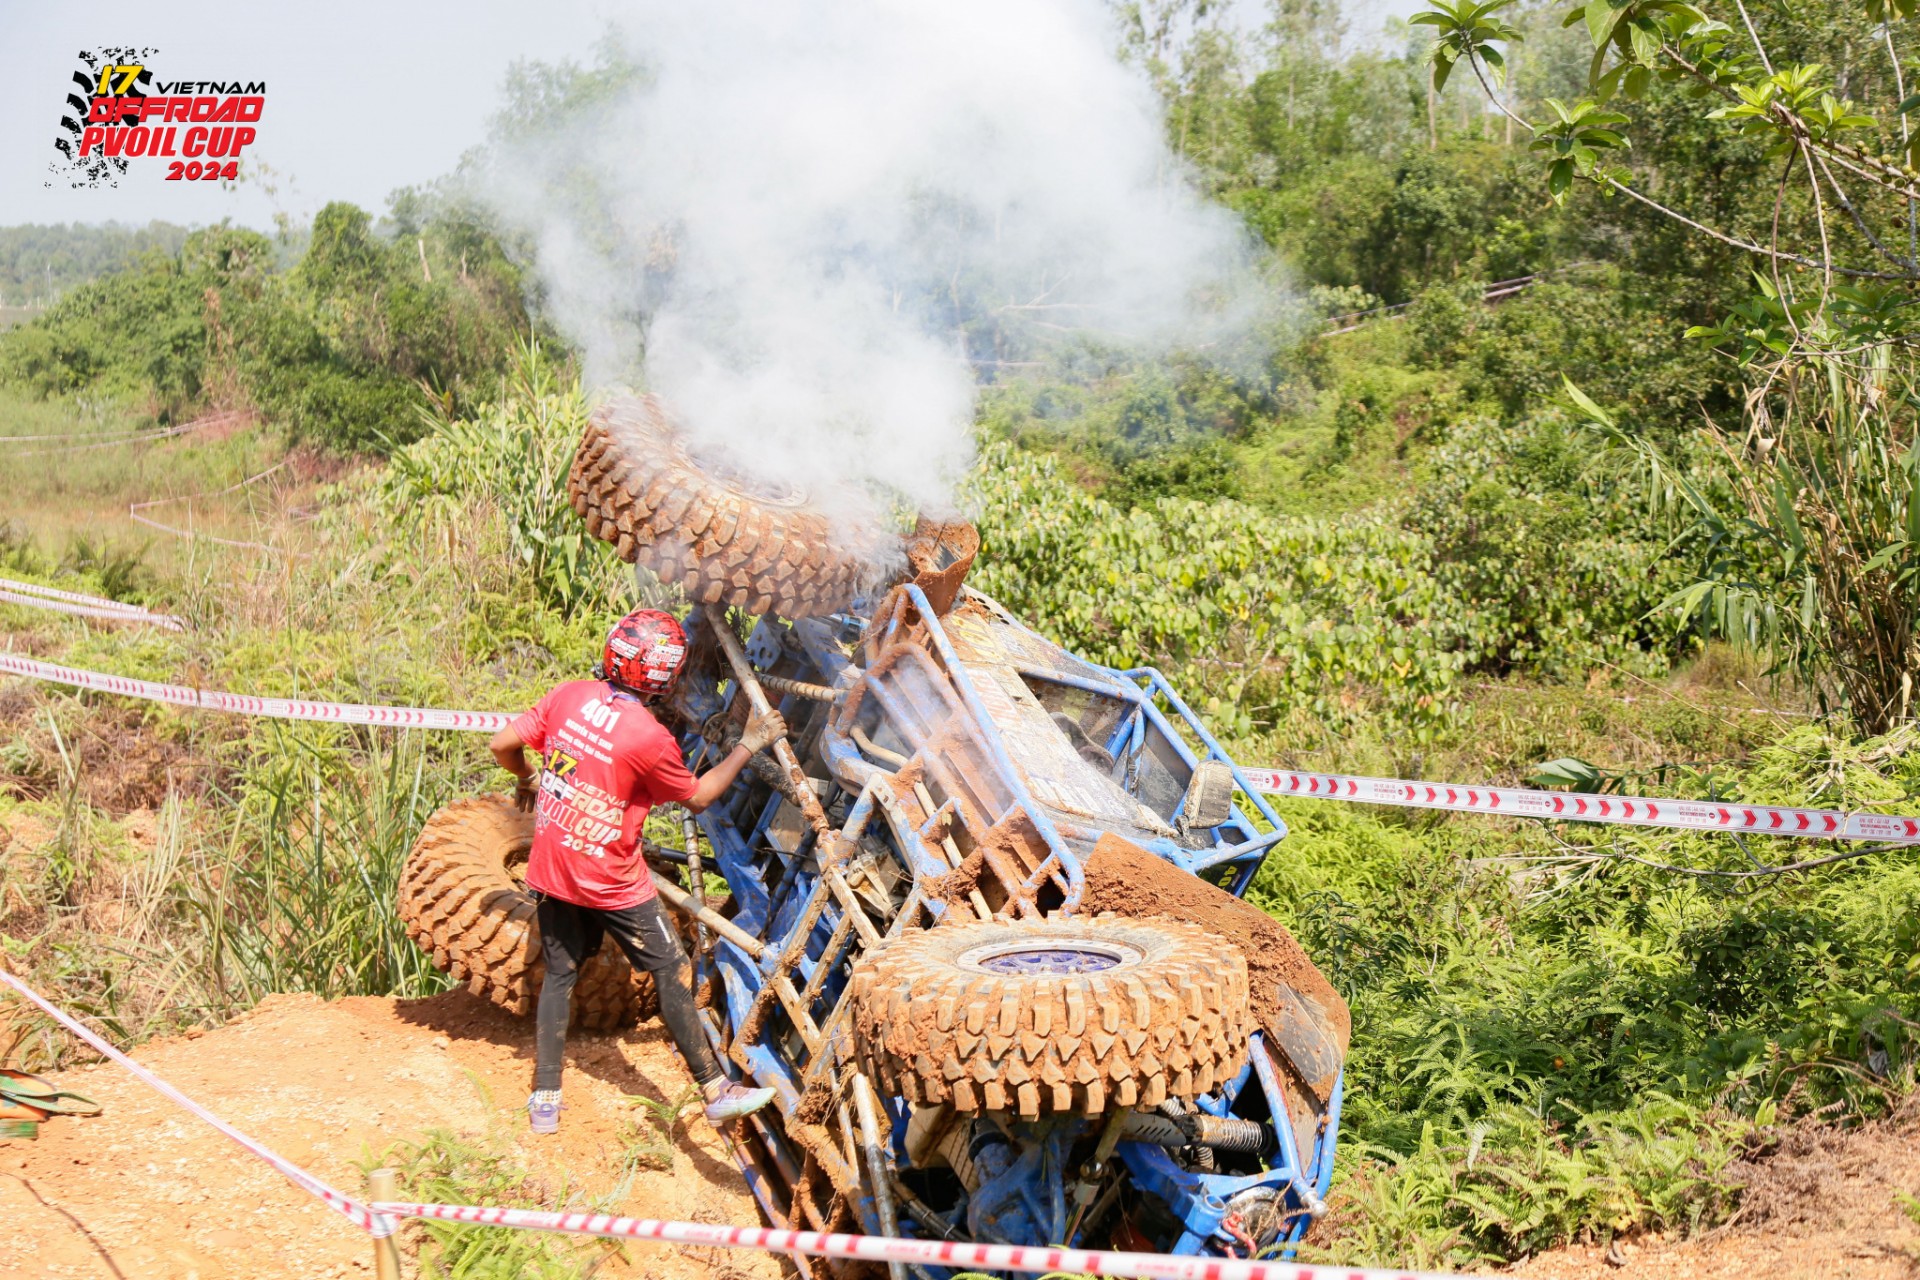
pixel 207 133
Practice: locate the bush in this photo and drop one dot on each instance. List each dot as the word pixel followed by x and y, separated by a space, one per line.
pixel 1504 560
pixel 513 457
pixel 335 351
pixel 1550 1043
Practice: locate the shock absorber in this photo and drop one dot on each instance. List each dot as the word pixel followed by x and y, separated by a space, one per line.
pixel 1201 1157
pixel 1222 1133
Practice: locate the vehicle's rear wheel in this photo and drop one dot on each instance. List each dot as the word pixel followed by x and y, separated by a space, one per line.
pixel 461 900
pixel 724 538
pixel 1063 1014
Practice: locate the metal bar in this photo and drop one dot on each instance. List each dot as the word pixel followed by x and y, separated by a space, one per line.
pixel 963 684
pixel 874 749
pixel 1163 685
pixel 849 1136
pixel 776 984
pixel 974 895
pixel 801 689
pixel 828 958
pixel 824 1057
pixel 850 903
pixel 696 878
pixel 757 699
pixel 1282 1117
pixel 782 987
pixel 917 1210
pixel 681 900
pixel 920 859
pixel 864 1104
pixel 1031 885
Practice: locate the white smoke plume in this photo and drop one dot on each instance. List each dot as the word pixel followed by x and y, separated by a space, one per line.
pixel 803 219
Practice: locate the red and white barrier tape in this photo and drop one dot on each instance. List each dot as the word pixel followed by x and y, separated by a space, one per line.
pixel 354 1211
pixel 937 1253
pixel 1636 811
pixel 83 443
pixel 75 597
pixel 106 611
pixel 243 704
pixel 111 442
pixel 134 510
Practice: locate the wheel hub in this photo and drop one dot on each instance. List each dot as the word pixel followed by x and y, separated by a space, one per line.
pixel 1053 957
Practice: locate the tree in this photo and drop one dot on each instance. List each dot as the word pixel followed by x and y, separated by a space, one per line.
pixel 1812 516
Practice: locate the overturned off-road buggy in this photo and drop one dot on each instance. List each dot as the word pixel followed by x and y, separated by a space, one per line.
pixel 982 929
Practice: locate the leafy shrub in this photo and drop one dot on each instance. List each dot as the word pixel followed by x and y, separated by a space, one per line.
pixel 334 351
pixel 1566 566
pixel 514 456
pixel 1266 614
pixel 1552 1043
pixel 1504 560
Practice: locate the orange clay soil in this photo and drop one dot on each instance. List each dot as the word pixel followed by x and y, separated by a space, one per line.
pixel 1129 881
pixel 147 1191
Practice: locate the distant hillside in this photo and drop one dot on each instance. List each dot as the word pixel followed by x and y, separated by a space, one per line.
pixel 40 263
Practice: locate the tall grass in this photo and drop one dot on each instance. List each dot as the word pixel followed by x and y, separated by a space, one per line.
pixel 1811 521
pixel 301 898
pixel 514 455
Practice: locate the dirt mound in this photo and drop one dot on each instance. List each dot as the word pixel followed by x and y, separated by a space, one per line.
pixel 1824 1202
pixel 146 1190
pixel 1129 881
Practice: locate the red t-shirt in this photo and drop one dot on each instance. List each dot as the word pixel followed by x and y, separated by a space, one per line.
pixel 604 762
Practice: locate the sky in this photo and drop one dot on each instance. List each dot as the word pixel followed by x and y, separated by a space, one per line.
pixel 362 96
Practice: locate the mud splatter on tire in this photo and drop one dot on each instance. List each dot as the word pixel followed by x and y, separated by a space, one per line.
pixel 722 539
pixel 460 901
pixel 1066 1014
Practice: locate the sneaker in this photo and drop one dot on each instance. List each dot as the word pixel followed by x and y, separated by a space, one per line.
pixel 734 1101
pixel 543 1111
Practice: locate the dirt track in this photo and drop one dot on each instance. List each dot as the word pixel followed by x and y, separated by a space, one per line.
pixel 147 1192
pixel 1822 1206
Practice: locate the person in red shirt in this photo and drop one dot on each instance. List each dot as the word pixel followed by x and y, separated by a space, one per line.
pixel 603 762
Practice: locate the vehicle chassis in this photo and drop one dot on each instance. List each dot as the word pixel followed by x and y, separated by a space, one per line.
pixel 929 752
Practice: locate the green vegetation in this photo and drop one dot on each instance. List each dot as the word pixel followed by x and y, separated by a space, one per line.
pixel 334 350
pixel 40 263
pixel 1653 519
pixel 446 1168
pixel 1551 1029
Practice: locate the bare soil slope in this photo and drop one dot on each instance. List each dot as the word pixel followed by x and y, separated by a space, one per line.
pixel 147 1191
pixel 1825 1203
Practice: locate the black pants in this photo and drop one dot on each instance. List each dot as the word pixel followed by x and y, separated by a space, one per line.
pixel 570 935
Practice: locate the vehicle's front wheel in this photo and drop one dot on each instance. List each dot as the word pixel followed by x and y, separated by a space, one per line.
pixel 1057 1015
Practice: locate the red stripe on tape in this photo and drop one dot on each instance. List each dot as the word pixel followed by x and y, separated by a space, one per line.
pixel 277 708
pixel 1642 811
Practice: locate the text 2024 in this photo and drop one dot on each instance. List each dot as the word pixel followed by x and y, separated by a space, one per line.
pixel 197 171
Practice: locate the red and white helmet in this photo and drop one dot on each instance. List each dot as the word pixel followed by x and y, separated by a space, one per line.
pixel 644 652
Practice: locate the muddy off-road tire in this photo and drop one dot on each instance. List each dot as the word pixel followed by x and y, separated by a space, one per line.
pixel 460 901
pixel 724 539
pixel 1067 1014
